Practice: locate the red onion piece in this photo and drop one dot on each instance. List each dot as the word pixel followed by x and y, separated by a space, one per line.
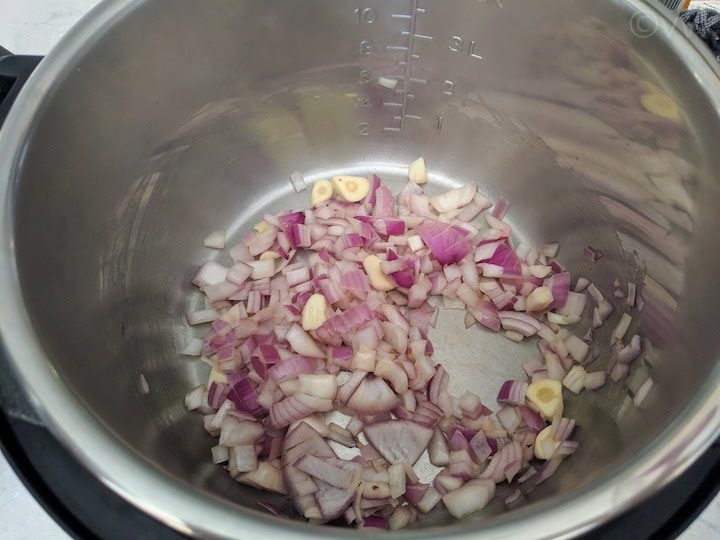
pixel 294 366
pixel 500 208
pixel 272 509
pixel 509 418
pixel 244 396
pixel 512 392
pixel 559 285
pixel 447 243
pixel 414 492
pixel 375 521
pixel 479 447
pixel 352 318
pixel 532 419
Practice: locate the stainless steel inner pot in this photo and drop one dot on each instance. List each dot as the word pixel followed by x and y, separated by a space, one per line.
pixel 156 122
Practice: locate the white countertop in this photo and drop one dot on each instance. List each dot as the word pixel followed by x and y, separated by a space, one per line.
pixel 33 27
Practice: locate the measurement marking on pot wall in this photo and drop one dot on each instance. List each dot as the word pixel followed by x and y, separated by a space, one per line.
pixel 418 36
pixel 365 77
pixel 407 79
pixel 365 15
pixel 457 44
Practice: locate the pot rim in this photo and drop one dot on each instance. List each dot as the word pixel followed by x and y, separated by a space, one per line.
pixel 196 514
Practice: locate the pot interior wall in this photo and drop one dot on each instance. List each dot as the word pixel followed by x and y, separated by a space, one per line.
pixel 180 121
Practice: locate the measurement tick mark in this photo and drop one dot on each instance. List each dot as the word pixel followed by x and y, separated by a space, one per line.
pixel 418 36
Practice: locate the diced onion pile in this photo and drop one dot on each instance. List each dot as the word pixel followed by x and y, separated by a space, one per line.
pixel 328 309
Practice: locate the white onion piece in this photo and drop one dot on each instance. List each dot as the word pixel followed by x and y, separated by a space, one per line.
pixel 242 459
pixel 322 385
pixel 595 380
pixel 210 273
pixel 621 329
pixel 399 441
pixel 373 396
pixel 302 343
pixel 215 240
pixel 193 348
pixel 194 398
pixel 642 392
pixel 393 373
pixel 429 501
pixel 454 198
pixel 298 181
pixel 325 471
pixel 201 317
pixel 577 348
pixel 438 451
pixel 473 496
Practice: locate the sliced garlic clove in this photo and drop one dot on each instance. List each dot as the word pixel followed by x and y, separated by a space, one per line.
pixel 546 396
pixel 351 188
pixel 322 191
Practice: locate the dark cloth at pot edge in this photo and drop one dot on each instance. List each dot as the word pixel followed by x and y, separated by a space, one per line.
pixel 706 24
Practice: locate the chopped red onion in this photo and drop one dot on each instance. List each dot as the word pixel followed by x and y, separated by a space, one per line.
pixel 532 419
pixel 561 428
pixel 414 492
pixel 479 447
pixel 500 208
pixel 512 392
pixel 293 367
pixel 286 375
pixel 509 418
pixel 548 468
pixel 447 243
pixel 631 351
pixel 591 254
pixel 559 285
pixel 352 318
